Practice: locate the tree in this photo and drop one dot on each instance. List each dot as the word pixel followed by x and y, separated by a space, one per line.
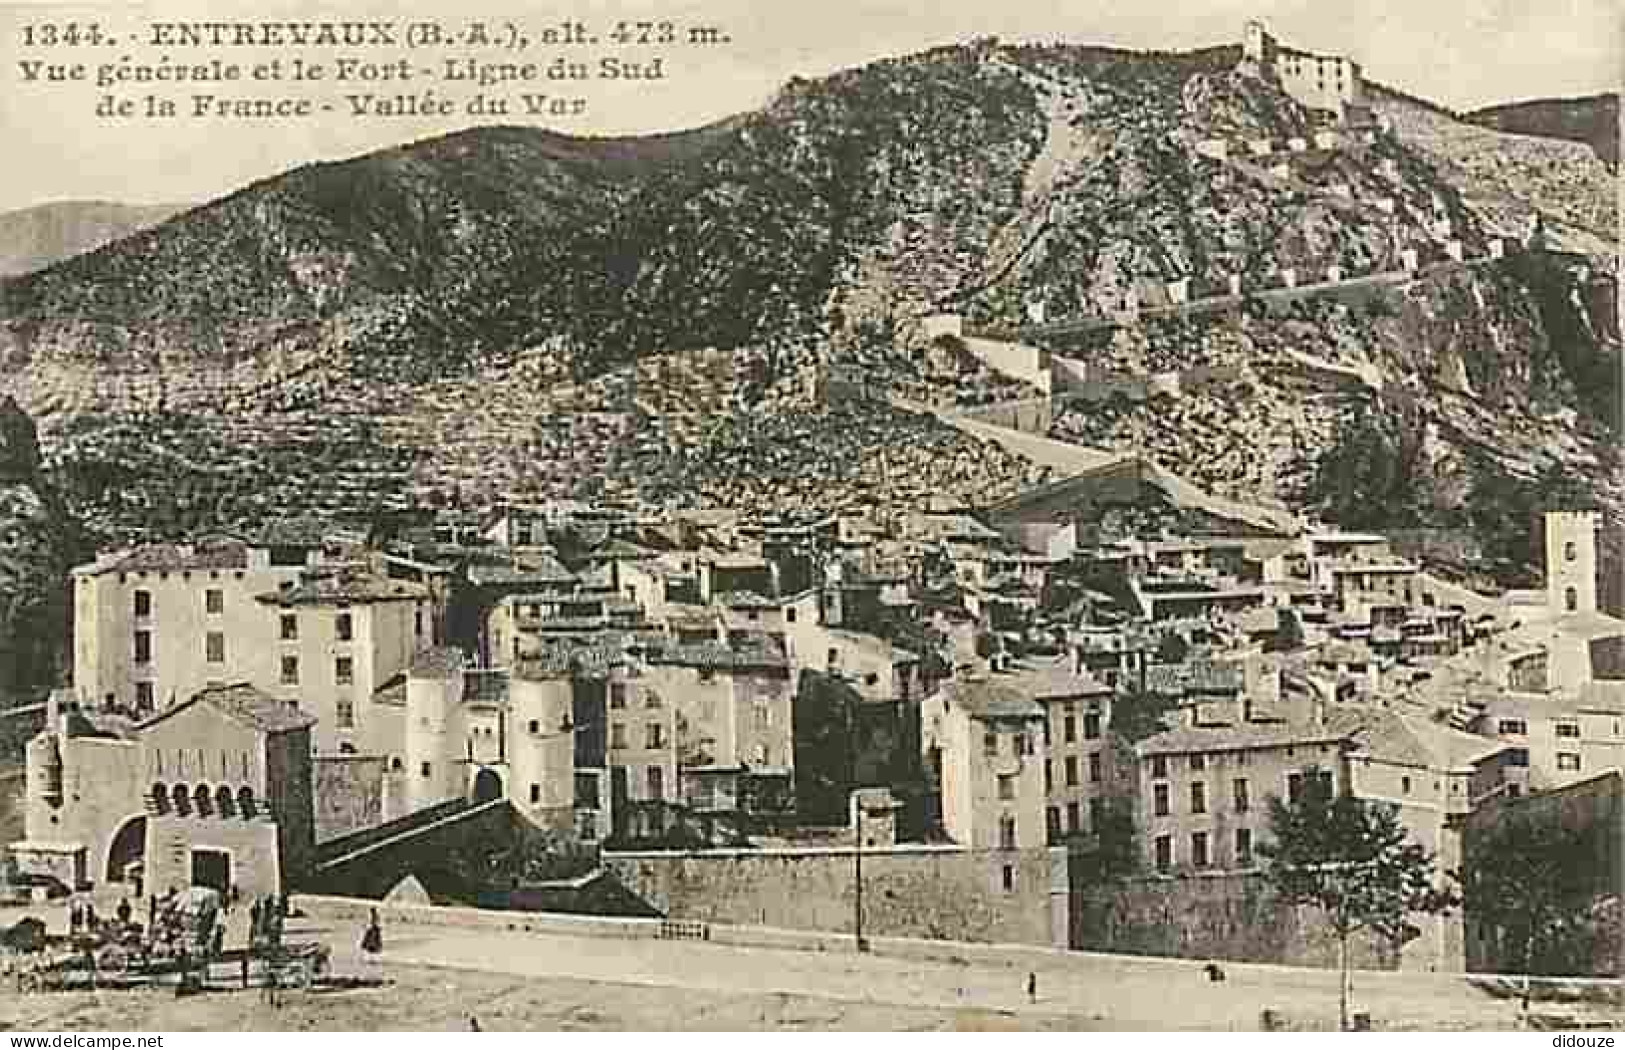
pixel 1354 861
pixel 1288 632
pixel 1172 649
pixel 1532 883
pixel 1137 715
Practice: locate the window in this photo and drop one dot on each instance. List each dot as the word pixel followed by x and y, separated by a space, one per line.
pixel 617 694
pixel 764 715
pixel 1198 763
pixel 1052 822
pixel 143 603
pixel 214 601
pixel 290 627
pixel 343 670
pixel 1007 832
pixel 343 627
pixel 1568 761
pixel 143 695
pixel 1199 797
pixel 1512 727
pixel 1071 770
pixel 143 647
pixel 1091 727
pixel 417 622
pixel 1049 776
pixel 1518 756
pixel 1165 852
pixel 1009 877
pixel 1238 794
pixel 1159 767
pixel 1569 552
pixel 535 726
pixel 1074 818
pixel 1327 786
pixel 617 735
pixel 1069 729
pixel 1159 804
pixel 535 793
pixel 1568 729
pixel 1294 787
pixel 346 714
pixel 426 769
pixel 1007 788
pixel 1199 849
pixel 290 670
pixel 1241 758
pixel 214 647
pixel 990 744
pixel 1404 785
pixel 1571 599
pixel 790 614
pixel 657 782
pixel 1244 847
pixel 654 736
pixel 1094 768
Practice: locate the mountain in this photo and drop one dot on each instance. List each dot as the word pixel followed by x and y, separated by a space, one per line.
pixel 512 312
pixel 34 238
pixel 1593 120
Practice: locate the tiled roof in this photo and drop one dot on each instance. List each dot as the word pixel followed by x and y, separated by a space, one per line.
pixel 347 586
pixel 718 656
pixel 1410 740
pixel 532 570
pixel 170 557
pixel 392 692
pixel 291 532
pixel 745 600
pixel 992 698
pixel 439 662
pixel 1242 737
pixel 1052 681
pixel 245 704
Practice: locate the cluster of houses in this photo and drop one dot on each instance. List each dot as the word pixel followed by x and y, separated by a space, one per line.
pixel 637 680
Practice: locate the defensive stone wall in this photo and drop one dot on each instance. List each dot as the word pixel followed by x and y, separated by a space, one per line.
pixel 1236 916
pixel 940 893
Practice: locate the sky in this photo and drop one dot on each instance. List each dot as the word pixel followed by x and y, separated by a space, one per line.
pixel 1463 55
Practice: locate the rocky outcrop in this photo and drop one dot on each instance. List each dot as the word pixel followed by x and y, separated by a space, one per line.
pixel 36 550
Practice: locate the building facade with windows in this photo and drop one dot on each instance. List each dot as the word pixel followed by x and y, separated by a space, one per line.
pixel 156 625
pixel 215 790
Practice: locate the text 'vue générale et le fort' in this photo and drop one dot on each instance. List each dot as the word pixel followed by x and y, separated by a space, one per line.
pixel 167 70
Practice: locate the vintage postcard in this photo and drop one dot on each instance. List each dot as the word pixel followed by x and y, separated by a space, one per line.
pixel 885 515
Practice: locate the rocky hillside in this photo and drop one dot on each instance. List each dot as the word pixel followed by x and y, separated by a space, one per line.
pixel 1593 120
pixel 37 546
pixel 471 316
pixel 34 238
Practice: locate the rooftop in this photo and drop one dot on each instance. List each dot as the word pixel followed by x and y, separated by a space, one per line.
pixel 350 586
pixel 245 704
pixel 987 699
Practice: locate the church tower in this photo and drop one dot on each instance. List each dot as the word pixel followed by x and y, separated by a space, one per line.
pixel 1571 562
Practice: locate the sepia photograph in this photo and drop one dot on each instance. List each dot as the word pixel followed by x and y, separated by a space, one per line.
pixel 887 516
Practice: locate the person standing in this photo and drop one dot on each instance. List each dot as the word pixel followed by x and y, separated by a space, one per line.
pixel 372 941
pixel 1032 987
pixel 123 911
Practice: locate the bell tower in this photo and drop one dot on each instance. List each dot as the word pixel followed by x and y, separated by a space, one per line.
pixel 1571 562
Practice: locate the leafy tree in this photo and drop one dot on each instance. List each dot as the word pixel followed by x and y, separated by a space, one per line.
pixel 1172 649
pixel 1354 861
pixel 1137 715
pixel 1532 882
